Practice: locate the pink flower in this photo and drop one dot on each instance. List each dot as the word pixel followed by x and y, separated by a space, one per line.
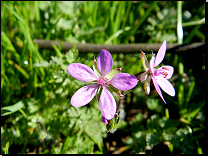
pixel 103 82
pixel 159 76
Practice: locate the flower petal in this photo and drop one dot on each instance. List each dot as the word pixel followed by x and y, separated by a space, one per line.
pixel 157 88
pixel 161 54
pixel 165 85
pixel 83 95
pixel 107 104
pixel 152 63
pixel 104 120
pixel 104 62
pixel 164 71
pixel 81 72
pixel 124 81
pixel 144 75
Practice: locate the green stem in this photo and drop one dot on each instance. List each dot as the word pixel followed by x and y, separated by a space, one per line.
pixel 179 22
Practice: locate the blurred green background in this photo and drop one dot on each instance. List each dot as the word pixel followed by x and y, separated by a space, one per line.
pixel 36 88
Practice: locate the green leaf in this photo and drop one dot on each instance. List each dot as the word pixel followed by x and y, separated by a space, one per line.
pixel 13 108
pixel 41 64
pixel 7 148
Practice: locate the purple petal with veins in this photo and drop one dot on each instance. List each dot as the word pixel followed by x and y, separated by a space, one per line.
pixel 165 85
pixel 81 72
pixel 107 104
pixel 124 81
pixel 83 95
pixel 164 71
pixel 161 54
pixel 104 62
pixel 157 88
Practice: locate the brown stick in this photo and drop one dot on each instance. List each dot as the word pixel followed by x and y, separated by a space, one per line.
pixel 121 48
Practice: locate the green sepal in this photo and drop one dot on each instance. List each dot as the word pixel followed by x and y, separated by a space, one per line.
pixel 112 73
pixel 113 90
pixel 92 82
pixel 147 85
pixel 145 62
pixel 113 123
pixel 96 70
pixel 98 92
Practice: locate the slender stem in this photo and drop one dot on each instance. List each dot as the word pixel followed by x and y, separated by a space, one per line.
pixel 119 102
pixel 179 22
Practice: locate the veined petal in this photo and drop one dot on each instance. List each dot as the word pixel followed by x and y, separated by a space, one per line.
pixel 145 62
pixel 144 75
pixel 165 85
pixel 161 54
pixel 157 88
pixel 104 62
pixel 107 104
pixel 152 63
pixel 83 95
pixel 124 81
pixel 167 70
pixel 81 72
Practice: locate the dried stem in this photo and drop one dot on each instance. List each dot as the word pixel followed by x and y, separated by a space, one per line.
pixel 121 48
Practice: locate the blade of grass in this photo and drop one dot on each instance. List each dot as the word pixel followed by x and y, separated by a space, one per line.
pixel 58 53
pixel 55 10
pixel 192 34
pixel 129 4
pixel 186 24
pixel 53 27
pixel 179 22
pixel 95 8
pixel 182 110
pixel 5 78
pixel 37 13
pixel 115 35
pixel 200 34
pixel 7 148
pixel 6 43
pixel 15 14
pixel 19 69
pixel 188 96
pixel 194 110
pixel 147 13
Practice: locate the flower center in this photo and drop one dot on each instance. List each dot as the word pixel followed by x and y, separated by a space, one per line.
pixel 161 73
pixel 102 82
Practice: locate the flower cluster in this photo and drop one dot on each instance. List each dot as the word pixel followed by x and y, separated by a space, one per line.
pixel 104 82
pixel 159 76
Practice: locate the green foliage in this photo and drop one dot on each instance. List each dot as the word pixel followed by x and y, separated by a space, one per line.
pixel 36 87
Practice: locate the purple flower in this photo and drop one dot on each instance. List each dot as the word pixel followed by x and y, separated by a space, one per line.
pixel 104 120
pixel 159 76
pixel 102 81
